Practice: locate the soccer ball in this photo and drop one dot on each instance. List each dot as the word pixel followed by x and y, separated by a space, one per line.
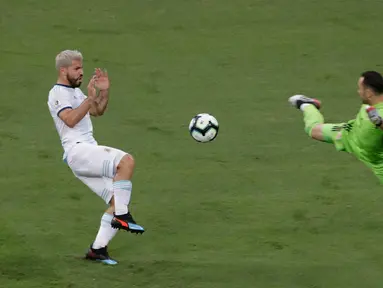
pixel 203 127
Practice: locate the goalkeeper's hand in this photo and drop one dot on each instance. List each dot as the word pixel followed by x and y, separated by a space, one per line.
pixel 374 116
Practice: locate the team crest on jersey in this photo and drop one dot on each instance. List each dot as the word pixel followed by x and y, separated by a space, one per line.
pixel 57 103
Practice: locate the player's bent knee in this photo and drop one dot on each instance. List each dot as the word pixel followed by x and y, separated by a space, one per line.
pixel 126 163
pixel 316 132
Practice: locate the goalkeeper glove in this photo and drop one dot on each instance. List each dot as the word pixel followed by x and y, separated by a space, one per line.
pixel 374 116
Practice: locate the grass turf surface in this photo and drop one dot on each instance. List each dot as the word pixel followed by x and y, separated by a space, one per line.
pixel 262 206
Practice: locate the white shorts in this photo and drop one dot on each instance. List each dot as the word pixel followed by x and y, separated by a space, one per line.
pixel 95 166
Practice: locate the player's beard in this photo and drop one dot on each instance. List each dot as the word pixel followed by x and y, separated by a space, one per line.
pixel 74 82
pixel 364 99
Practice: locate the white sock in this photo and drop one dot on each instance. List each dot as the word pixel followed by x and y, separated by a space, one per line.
pixel 122 190
pixel 304 105
pixel 105 233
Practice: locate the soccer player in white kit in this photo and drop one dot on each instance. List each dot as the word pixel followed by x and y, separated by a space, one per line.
pixel 105 170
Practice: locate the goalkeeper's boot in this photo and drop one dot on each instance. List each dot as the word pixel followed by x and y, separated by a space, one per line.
pixel 100 255
pixel 126 222
pixel 298 100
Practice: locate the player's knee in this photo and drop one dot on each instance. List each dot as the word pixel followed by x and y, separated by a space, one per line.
pixel 315 131
pixel 126 163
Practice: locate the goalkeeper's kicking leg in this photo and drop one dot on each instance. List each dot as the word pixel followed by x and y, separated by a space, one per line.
pixel 314 121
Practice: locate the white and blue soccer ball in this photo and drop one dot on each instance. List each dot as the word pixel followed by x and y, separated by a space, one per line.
pixel 204 127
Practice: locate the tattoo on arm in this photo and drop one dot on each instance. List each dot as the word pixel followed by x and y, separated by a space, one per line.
pixel 102 102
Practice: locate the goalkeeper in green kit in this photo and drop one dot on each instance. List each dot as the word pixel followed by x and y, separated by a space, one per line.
pixel 362 136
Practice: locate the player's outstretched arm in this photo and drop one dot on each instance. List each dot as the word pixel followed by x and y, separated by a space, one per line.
pixel 374 116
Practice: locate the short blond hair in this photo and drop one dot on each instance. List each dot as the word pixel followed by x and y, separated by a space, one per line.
pixel 65 58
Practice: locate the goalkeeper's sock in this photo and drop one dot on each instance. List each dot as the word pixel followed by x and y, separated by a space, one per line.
pixel 311 117
pixel 302 107
pixel 105 233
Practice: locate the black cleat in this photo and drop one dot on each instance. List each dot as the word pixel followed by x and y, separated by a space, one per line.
pixel 126 222
pixel 298 100
pixel 100 255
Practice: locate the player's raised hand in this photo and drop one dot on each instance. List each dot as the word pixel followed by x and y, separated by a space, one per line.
pixel 91 88
pixel 102 79
pixel 374 116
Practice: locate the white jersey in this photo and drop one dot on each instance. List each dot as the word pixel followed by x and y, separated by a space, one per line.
pixel 62 97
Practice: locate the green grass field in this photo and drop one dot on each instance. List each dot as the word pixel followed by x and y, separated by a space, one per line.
pixel 262 206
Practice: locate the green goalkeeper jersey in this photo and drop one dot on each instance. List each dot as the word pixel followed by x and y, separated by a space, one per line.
pixel 363 139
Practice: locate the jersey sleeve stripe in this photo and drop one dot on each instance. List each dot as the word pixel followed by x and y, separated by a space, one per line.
pixel 66 107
